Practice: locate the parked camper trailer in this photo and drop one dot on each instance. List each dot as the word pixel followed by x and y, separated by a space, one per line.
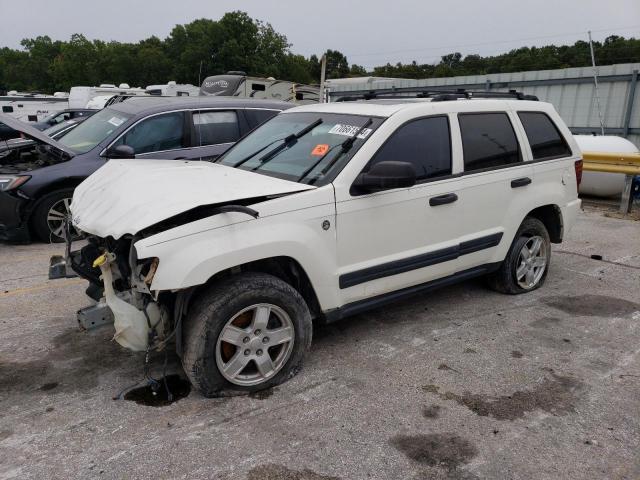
pixel 32 107
pixel 173 89
pixel 79 97
pixel 238 84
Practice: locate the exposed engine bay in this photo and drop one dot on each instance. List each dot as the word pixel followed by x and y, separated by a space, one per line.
pixel 121 282
pixel 27 155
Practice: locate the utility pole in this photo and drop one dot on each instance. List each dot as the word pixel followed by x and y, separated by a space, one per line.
pixel 595 80
pixel 323 72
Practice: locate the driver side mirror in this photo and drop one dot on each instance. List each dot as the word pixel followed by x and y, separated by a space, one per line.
pixel 385 176
pixel 121 151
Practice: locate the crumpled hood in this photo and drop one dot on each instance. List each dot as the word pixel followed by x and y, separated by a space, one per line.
pixel 126 196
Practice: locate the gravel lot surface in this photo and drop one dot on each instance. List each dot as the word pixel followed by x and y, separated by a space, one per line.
pixel 462 383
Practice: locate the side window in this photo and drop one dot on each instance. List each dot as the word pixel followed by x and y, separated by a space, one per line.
pixel 544 137
pixel 258 117
pixel 161 132
pixel 216 127
pixel 425 143
pixel 6 109
pixel 488 140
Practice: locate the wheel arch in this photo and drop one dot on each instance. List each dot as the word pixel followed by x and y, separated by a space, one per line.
pixel 61 184
pixel 551 217
pixel 283 267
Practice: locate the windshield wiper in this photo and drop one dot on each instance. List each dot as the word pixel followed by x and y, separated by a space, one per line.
pixel 288 142
pixel 250 156
pixel 287 139
pixel 346 146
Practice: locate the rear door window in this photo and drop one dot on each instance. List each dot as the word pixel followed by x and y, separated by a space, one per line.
pixel 544 137
pixel 488 141
pixel 215 127
pixel 156 134
pixel 425 143
pixel 258 117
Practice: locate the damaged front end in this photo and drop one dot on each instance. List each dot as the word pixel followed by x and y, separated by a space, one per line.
pixel 119 283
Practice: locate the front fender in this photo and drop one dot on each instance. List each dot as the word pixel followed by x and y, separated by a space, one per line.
pixel 190 259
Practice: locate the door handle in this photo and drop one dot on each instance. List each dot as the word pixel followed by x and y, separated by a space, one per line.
pixel 443 199
pixel 520 182
pixel 180 158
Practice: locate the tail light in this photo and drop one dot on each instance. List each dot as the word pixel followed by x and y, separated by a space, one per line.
pixel 578 167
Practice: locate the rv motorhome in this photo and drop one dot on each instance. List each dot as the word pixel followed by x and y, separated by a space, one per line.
pixel 238 84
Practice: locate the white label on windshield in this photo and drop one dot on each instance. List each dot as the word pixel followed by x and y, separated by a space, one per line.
pixel 116 122
pixel 349 131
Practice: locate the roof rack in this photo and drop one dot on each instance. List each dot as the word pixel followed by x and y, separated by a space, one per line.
pixel 437 95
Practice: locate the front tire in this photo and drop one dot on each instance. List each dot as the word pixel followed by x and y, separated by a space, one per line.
pixel 526 265
pixel 48 217
pixel 245 333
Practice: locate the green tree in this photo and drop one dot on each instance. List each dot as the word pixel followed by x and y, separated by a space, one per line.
pixel 76 64
pixel 238 42
pixel 337 64
pixel 357 71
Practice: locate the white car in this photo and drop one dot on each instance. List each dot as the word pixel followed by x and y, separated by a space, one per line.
pixel 323 212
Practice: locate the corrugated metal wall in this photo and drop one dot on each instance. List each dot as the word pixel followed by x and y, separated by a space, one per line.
pixel 570 90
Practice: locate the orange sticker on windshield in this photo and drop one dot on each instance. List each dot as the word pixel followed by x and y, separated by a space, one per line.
pixel 320 149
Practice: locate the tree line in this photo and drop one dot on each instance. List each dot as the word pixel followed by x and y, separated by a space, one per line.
pixel 238 42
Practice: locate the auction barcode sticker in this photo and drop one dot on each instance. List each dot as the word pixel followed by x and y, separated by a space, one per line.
pixel 115 121
pixel 349 131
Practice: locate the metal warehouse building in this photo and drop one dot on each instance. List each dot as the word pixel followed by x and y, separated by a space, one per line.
pixel 570 90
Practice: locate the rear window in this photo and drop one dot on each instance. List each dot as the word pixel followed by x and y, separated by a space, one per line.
pixel 258 117
pixel 216 127
pixel 544 137
pixel 488 140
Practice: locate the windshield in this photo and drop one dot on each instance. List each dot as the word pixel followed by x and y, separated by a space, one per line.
pixel 53 115
pixel 94 130
pixel 314 158
pixel 51 131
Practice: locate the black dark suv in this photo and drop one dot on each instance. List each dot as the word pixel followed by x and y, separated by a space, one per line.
pixel 35 194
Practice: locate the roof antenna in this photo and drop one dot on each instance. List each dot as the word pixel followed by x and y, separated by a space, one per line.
pixel 595 81
pixel 200 111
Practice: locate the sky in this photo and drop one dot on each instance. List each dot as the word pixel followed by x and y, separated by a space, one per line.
pixel 368 32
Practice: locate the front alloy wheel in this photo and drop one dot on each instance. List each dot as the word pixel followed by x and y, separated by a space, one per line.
pixel 255 344
pixel 245 333
pixel 56 216
pixel 47 221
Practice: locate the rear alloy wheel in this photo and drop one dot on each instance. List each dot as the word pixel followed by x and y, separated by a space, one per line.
pixel 526 265
pixel 48 217
pixel 532 263
pixel 245 333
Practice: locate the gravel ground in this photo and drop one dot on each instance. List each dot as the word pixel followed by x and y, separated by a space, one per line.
pixel 462 383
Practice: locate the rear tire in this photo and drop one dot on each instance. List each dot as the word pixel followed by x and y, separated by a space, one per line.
pixel 46 221
pixel 526 265
pixel 246 333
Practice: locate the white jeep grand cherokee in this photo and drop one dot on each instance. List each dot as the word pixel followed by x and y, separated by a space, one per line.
pixel 321 213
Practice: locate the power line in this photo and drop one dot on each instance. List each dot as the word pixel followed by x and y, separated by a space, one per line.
pixel 492 43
